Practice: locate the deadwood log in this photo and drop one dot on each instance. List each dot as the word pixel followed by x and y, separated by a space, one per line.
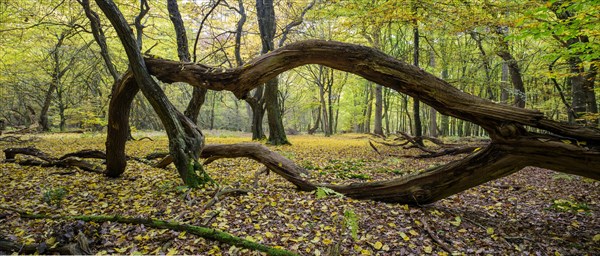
pixel 68 160
pixel 207 233
pixel 567 148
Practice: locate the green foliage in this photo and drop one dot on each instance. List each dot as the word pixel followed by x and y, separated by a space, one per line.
pixel 562 176
pixel 164 187
pixel 351 222
pixel 347 169
pixel 54 196
pixel 204 178
pixel 563 205
pixel 323 192
pixel 308 165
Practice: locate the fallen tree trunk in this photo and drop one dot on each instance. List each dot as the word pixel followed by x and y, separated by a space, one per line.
pixel 68 160
pixel 204 232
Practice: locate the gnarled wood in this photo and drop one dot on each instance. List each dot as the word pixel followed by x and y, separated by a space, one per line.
pixel 512 146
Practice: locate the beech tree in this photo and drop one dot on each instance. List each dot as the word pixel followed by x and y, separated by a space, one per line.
pixel 566 148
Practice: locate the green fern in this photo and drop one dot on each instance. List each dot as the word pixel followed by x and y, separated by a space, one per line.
pixel 323 192
pixel 351 221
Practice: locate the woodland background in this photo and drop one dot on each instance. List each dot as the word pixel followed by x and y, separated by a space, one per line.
pixel 52 69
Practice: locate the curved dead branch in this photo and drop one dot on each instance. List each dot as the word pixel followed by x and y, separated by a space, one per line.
pixel 570 149
pixel 371 64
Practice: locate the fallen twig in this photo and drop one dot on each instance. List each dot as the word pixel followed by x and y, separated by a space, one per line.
pixel 433 236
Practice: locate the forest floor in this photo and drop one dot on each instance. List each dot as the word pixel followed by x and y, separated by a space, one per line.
pixel 534 211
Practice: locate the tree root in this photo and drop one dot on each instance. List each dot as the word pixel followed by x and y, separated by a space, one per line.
pixel 207 233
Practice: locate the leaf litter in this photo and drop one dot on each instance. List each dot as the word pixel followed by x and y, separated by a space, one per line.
pixel 534 211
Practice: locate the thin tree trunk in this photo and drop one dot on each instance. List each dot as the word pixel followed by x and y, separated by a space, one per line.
pixel 515 74
pixel 198 94
pixel 418 132
pixel 100 38
pixel 266 25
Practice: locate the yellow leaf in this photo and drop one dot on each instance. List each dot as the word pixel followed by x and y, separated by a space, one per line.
pixel 172 251
pixel 427 249
pixel 327 241
pixel 596 238
pixel 365 252
pixel 273 204
pixel 404 236
pixel 377 245
pixel 121 250
pixel 181 235
pixel 51 241
pixel 413 232
pixel 490 231
pixel 269 234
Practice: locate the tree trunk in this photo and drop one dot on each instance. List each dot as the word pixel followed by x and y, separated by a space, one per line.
pixel 100 38
pixel 515 73
pixel 378 129
pixel 266 25
pixel 198 94
pixel 43 120
pixel 582 85
pixel 418 131
pixel 185 139
pixel 312 130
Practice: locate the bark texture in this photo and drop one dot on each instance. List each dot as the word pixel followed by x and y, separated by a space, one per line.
pixel 198 94
pixel 266 24
pixel 185 139
pixel 568 148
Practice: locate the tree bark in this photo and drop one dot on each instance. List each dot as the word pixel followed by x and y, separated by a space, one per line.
pixel 204 232
pixel 370 64
pixel 512 147
pixel 418 132
pixel 198 94
pixel 513 68
pixel 99 38
pixel 185 139
pixel 266 24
